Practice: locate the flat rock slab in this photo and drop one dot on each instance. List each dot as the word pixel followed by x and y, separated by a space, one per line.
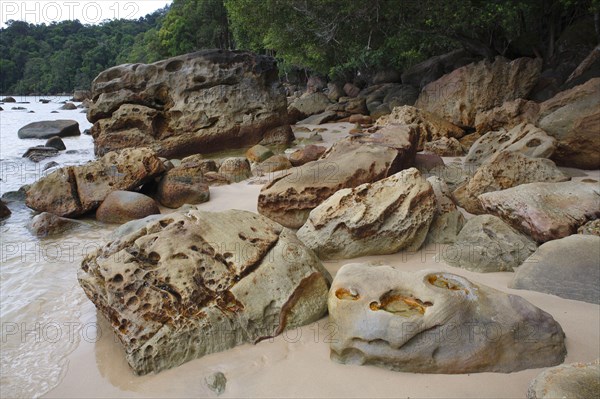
pixel 574 380
pixel 192 283
pixel 545 211
pixel 435 322
pixel 568 268
pixel 48 129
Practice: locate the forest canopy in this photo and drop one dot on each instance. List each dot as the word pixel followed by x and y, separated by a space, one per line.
pixel 337 38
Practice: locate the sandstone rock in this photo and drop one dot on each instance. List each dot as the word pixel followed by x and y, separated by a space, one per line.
pixel 459 96
pixel 360 119
pixel 453 174
pixel 504 170
pixel 235 169
pixel 4 211
pixel 216 179
pixel 201 102
pixel 334 92
pixel 487 244
pixel 573 118
pixel 352 105
pixel 181 185
pixel 468 140
pixel 568 267
pixel 122 206
pixel 574 380
pixel 205 165
pixel 445 147
pixel 75 190
pixel 307 105
pixel 315 84
pixel 68 106
pixel 403 138
pixel 426 162
pixel 419 75
pixel 37 154
pixel 377 218
pixel 290 198
pixel 431 127
pixel 400 95
pixel 258 153
pixel 55 142
pixel 590 228
pixel 507 116
pixel 318 119
pixel 524 138
pixel 435 322
pixel 82 95
pixel 48 129
pixel 193 283
pixel 545 211
pixel 306 154
pixel 447 218
pixel 274 164
pixel 47 224
pixel 351 90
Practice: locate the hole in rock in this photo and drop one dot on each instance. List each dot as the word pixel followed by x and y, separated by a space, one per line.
pixel 401 304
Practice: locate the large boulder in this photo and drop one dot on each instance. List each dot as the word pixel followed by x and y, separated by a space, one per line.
pixel 504 170
pixel 545 211
pixel 184 184
pixel 574 380
pixel 568 267
pixel 434 322
pixel 573 118
pixel 462 94
pixel 48 129
pixel 290 198
pixel 507 116
pixel 122 206
pixel 524 138
pixel 307 105
pixel 75 190
pixel 487 244
pixel 192 283
pixel 194 103
pixel 448 220
pixel 431 126
pixel 377 218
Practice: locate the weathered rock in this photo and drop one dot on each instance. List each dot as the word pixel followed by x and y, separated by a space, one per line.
pixel 47 224
pixel 184 184
pixel 48 129
pixel 400 95
pixel 468 140
pixel 459 96
pixel 574 380
pixel 68 106
pixel 447 218
pixel 55 142
pixel 82 95
pixel 37 154
pixel 431 127
pixel 315 84
pixel 504 170
pixel 205 165
pixel 350 105
pixel 377 218
pixel 403 138
pixel 568 267
pixel 434 322
pixel 334 92
pixel 573 118
pixel 487 244
pixel 351 90
pixel 524 138
pixel 194 103
pixel 258 153
pixel 4 211
pixel 545 211
pixel 590 228
pixel 274 164
pixel 306 154
pixel 290 198
pixel 216 179
pixel 453 174
pixel 432 69
pixel 318 119
pixel 75 190
pixel 445 147
pixel 360 119
pixel 307 105
pixel 192 283
pixel 235 169
pixel 426 162
pixel 122 206
pixel 507 116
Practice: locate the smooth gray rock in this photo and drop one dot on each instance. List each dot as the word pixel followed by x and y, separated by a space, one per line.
pixel 435 322
pixel 568 268
pixel 48 129
pixel 37 154
pixel 55 142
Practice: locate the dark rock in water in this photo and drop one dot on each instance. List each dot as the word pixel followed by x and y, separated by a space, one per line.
pixel 55 142
pixel 75 190
pixel 31 112
pixel 123 206
pixel 70 152
pixel 54 112
pixel 87 132
pixel 37 154
pixel 48 129
pixel 18 108
pixel 192 283
pixel 183 184
pixel 44 101
pixel 15 196
pixel 1 109
pixel 436 322
pixel 202 102
pixel 568 268
pixel 574 380
pixel 4 211
pixel 8 100
pixel 49 165
pixel 68 107
pixel 47 224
